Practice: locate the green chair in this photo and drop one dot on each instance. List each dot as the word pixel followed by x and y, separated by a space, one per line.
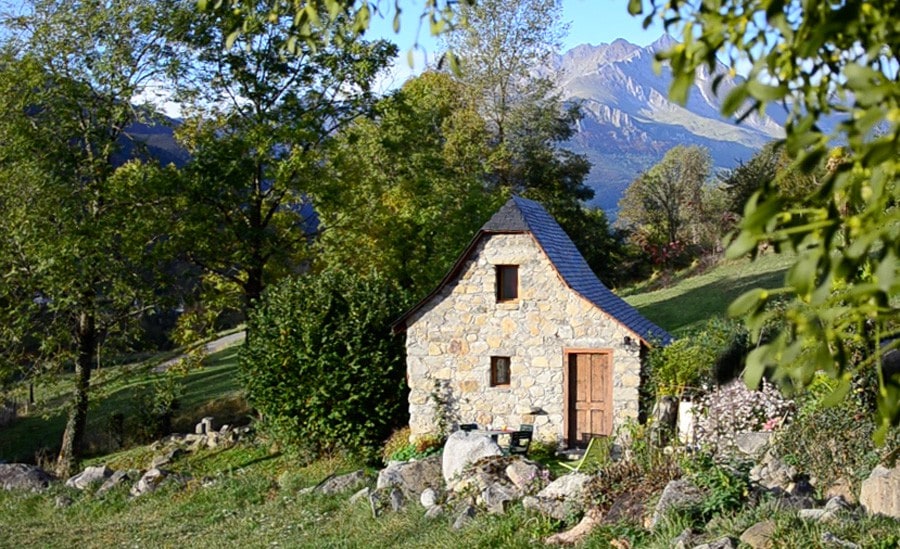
pixel 597 454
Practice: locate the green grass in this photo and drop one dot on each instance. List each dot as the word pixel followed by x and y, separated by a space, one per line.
pixel 248 498
pixel 689 301
pixel 212 390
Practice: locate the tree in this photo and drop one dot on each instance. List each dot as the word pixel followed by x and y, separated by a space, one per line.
pixel 406 190
pixel 307 21
pixel 770 165
pixel 503 49
pixel 73 214
pixel 263 113
pixel 665 206
pixel 816 59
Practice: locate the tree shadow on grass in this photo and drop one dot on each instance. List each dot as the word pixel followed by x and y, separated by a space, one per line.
pixel 697 305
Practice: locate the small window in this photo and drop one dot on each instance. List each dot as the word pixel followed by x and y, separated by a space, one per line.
pixel 499 370
pixel 507 282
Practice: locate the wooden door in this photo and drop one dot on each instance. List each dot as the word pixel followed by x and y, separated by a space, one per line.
pixel 589 396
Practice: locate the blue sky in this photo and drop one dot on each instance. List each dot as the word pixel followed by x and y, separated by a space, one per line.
pixel 590 22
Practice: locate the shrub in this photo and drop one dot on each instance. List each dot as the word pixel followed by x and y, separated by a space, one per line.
pixel 321 366
pixel 695 359
pixel 830 442
pixel 725 485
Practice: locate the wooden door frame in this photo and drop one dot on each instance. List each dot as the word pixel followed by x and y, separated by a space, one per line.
pixel 567 401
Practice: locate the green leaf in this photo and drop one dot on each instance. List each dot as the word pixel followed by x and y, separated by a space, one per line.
pixel 739 247
pixel 747 303
pixel 635 7
pixel 838 394
pixel 757 361
pixel 735 99
pixel 765 92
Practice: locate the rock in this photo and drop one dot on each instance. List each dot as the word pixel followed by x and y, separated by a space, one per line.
pixel 772 473
pixel 525 475
pixel 562 498
pixel 364 493
pixel 114 480
pixel 151 480
pixel 204 427
pixel 830 539
pixel 788 501
pixel 63 501
pixel 429 497
pixel 814 515
pixel 434 512
pixel 683 540
pixel 497 497
pixel 721 543
pixel 397 499
pixel 463 448
pixel 880 493
pixel 836 505
pixel 465 517
pixel 342 483
pixel 413 477
pixel 89 476
pixel 21 476
pixel 752 444
pixel 378 500
pixel 841 488
pixel 677 494
pixel 759 536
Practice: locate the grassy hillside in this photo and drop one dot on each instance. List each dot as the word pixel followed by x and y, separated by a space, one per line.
pixel 124 392
pixel 690 300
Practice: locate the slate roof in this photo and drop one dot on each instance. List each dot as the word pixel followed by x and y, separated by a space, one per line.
pixel 520 215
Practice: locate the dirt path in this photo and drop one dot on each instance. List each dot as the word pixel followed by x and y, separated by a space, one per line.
pixel 209 348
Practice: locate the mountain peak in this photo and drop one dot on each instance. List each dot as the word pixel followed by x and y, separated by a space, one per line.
pixel 664 42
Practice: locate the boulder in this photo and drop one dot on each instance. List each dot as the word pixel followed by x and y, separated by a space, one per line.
pixel 525 475
pixel 562 498
pixel 114 480
pixel 463 448
pixel 89 476
pixel 412 477
pixel 759 536
pixel 465 517
pixel 497 497
pixel 434 512
pixel 880 493
pixel 21 476
pixel 677 494
pixel 342 483
pixel 151 481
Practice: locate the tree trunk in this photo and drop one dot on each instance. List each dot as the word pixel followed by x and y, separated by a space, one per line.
pixel 73 437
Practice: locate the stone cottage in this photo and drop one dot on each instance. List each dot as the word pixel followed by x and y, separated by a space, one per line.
pixel 522 331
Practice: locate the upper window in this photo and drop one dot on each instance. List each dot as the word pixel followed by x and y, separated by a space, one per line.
pixel 507 282
pixel 499 370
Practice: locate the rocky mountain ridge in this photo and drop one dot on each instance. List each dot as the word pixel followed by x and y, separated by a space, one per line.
pixel 629 123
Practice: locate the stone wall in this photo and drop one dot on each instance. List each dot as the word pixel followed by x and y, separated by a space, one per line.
pixel 452 338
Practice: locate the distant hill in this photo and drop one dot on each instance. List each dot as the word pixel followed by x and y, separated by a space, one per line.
pixel 629 123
